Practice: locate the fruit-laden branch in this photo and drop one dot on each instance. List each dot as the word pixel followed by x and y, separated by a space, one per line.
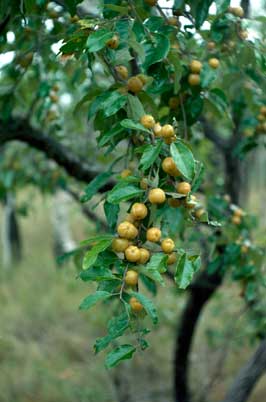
pixel 248 376
pixel 21 130
pixel 200 292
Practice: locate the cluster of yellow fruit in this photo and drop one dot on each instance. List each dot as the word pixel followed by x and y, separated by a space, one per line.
pixel 167 131
pixel 261 126
pixel 237 216
pixel 195 69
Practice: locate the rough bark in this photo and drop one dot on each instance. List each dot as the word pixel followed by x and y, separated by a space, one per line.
pixel 248 376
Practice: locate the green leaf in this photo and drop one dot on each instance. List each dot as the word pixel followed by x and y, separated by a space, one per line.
pixel 122 192
pixel 148 306
pixel 174 58
pixel 183 159
pixel 185 270
pixel 91 300
pixel 135 109
pixel 91 255
pixel 118 354
pixel 132 125
pixel 201 11
pixel 111 212
pixel 94 186
pixel 207 76
pixel 218 100
pixel 97 40
pixel 96 274
pixel 71 5
pixel 150 154
pixel 199 174
pixel 157 50
pixel 222 5
pixel 155 267
pixel 116 328
pixel 95 239
pixel 113 103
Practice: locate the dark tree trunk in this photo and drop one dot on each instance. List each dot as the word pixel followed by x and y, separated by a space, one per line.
pixel 12 242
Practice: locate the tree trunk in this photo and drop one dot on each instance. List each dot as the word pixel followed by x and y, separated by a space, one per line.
pixel 248 376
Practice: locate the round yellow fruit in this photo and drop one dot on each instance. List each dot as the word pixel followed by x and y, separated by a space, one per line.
pixel 131 278
pixel 144 255
pixel 139 210
pixel 214 63
pixel 167 245
pixel 183 188
pixel 134 84
pixel 199 213
pixel 132 254
pixel 171 259
pixel 238 11
pixel 125 173
pixel 211 45
pixel 243 34
pixel 173 21
pixel 153 235
pixel 127 230
pixel 167 131
pixel 191 203
pixel 194 79
pixel 239 212
pixel 236 220
pixel 169 140
pixel 195 66
pixel 169 167
pixel 122 72
pixel 119 245
pixel 135 305
pixel 147 121
pixel 157 129
pixel 157 196
pixel 263 110
pixel 113 43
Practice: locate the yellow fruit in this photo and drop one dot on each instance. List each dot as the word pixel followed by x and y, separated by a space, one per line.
pixel 131 278
pixel 175 202
pixel 263 110
pixel 139 211
pixel 237 11
pixel 169 167
pixel 171 259
pixel 167 131
pixel 244 249
pixel 214 63
pixel 173 102
pixel 157 196
pixel 147 121
pixel 134 84
pixel 143 78
pixel 135 305
pixel 239 212
pixel 211 45
pixel 191 203
pixel 113 43
pixel 194 79
pixel 130 218
pixel 157 129
pixel 54 98
pixel 169 140
pixel 199 212
pixel 236 220
pixel 183 188
pixel 144 183
pixel 125 173
pixel 119 245
pixel 127 230
pixel 167 245
pixel 243 34
pixel 144 255
pixel 132 254
pixel 261 117
pixel 122 72
pixel 153 235
pixel 195 66
pixel 227 198
pixel 173 21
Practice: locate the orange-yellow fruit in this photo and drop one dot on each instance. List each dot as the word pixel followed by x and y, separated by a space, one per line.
pixel 127 230
pixel 153 235
pixel 157 196
pixel 243 34
pixel 147 121
pixel 122 72
pixel 214 63
pixel 194 79
pixel 157 129
pixel 167 131
pixel 191 203
pixel 261 117
pixel 169 167
pixel 236 220
pixel 195 66
pixel 169 140
pixel 119 245
pixel 227 198
pixel 171 259
pixel 54 98
pixel 211 45
pixel 144 255
pixel 131 278
pixel 132 254
pixel 173 21
pixel 173 102
pixel 143 183
pixel 134 84
pixel 175 202
pixel 199 213
pixel 183 188
pixel 263 110
pixel 238 212
pixel 135 305
pixel 143 78
pixel 167 245
pixel 237 11
pixel 125 173
pixel 113 43
pixel 139 211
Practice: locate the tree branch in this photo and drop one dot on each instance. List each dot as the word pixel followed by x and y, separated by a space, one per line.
pixel 21 130
pixel 211 134
pixel 248 376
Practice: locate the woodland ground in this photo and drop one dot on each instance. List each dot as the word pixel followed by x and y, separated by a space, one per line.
pixel 46 344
